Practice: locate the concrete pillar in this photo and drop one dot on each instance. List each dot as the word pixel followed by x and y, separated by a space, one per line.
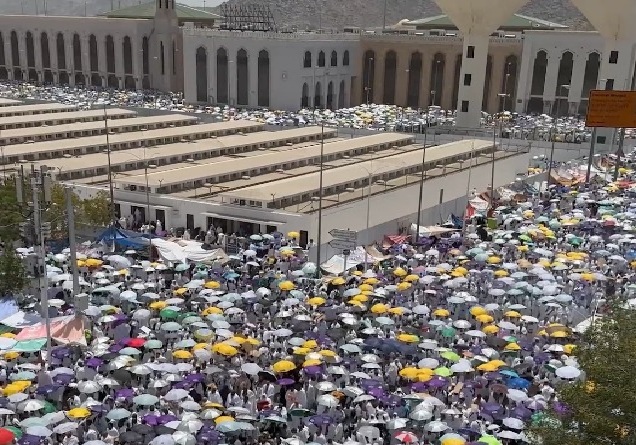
pixel 449 81
pixel 101 56
pixel 86 57
pixel 378 76
pixel 118 41
pixel 8 55
pixel 37 53
pixel 23 54
pixel 401 77
pixel 475 59
pixel 524 78
pixel 578 77
pixel 496 83
pixel 551 77
pixel 252 80
pixel 425 80
pixel 135 49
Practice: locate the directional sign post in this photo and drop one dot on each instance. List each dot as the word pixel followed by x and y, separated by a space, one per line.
pixel 343 239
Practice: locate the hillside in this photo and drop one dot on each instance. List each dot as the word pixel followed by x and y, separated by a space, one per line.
pixel 368 13
pixel 333 14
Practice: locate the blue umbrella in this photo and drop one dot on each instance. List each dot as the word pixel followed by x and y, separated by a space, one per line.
pixel 517 383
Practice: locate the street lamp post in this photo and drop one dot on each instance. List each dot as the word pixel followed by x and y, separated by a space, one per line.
pixel 553 133
pixel 368 88
pixel 422 179
pixel 319 237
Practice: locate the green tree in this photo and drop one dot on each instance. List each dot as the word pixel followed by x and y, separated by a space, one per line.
pixel 601 409
pixel 11 214
pixel 96 210
pixel 13 275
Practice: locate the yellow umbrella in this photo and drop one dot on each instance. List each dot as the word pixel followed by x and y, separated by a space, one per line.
pixel 399 272
pixel 408 338
pixel 484 318
pixel 283 366
pixel 182 354
pixel 357 273
pixel 501 273
pixel 310 344
pixel 209 404
pixel 286 285
pixel 456 274
pixel 225 349
pixel 222 419
pixel 316 301
pixel 252 341
pixel 362 298
pixel 22 384
pixel 441 312
pixel 238 340
pixel 181 291
pixel 93 262
pixel 200 346
pixel 494 260
pixel 301 351
pixel 379 308
pixel 411 278
pixel 311 362
pixel 11 355
pixel 10 390
pixel 81 263
pixel 559 334
pixel 522 248
pixel 78 413
pixel 338 281
pixel 569 349
pixel 396 310
pixel 404 285
pixel 453 441
pixel 512 347
pixel 158 305
pixel 211 310
pixel 8 335
pixel 367 287
pixel 371 281
pixel 327 353
pixel 409 372
pixel 212 285
pixel 477 310
pixel 487 367
pixel 512 314
pixel 293 235
pixel 490 329
pixel 355 303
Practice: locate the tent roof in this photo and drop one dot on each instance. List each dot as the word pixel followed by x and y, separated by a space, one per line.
pixel 147 11
pixel 515 22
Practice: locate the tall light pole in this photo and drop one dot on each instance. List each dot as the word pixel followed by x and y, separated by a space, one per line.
pixel 553 134
pixel 368 87
pixel 422 179
pixel 111 188
pixel 319 237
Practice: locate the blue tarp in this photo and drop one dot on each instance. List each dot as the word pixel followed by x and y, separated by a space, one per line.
pixel 8 307
pixel 122 237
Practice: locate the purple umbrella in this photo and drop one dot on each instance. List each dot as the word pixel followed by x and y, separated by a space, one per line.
pixel 391 400
pixel 473 384
pixel 63 379
pixel 48 389
pixel 61 353
pixel 167 418
pixel 124 393
pixel 184 384
pixel 99 408
pixel 320 420
pixel 195 378
pixel 490 407
pixel 521 412
pixel 561 408
pixel 94 362
pixel 285 382
pixel 493 376
pixel 437 382
pixel 376 392
pixel 367 384
pixel 419 386
pixel 313 371
pixel 28 439
pixel 150 419
pixel 541 357
pixel 115 348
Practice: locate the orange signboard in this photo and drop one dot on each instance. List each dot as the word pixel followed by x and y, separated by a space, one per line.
pixel 611 109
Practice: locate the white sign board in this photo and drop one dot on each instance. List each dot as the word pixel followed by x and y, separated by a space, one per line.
pixel 342 244
pixel 345 235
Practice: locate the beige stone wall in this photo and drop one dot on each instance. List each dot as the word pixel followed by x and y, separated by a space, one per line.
pixel 450 47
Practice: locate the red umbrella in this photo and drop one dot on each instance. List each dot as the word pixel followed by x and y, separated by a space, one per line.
pixel 406 437
pixel 136 342
pixel 6 436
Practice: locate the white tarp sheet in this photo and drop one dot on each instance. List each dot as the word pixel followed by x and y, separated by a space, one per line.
pixel 22 320
pixel 335 265
pixel 426 231
pixel 186 250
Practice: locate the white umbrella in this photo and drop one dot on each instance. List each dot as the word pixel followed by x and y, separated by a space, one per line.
pixel 40 431
pixel 328 400
pixel 251 368
pixel 515 424
pixel 31 405
pixel 66 427
pixel 568 372
pixel 176 394
pixel 436 426
pixel 421 415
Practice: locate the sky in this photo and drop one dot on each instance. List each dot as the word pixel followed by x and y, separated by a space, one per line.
pixel 201 2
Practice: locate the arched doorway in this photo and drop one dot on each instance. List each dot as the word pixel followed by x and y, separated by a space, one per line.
pixel 368 76
pixel 129 81
pixel 437 79
pixel 15 56
pixel 263 78
pixel 242 79
pixel 145 62
pixel 414 80
pixel 390 69
pixel 535 103
pixel 61 51
pixel 564 79
pixel 509 87
pixel 304 100
pixel 77 54
pixel 487 84
pixel 94 61
pixel 222 77
pixel 590 80
pixel 110 56
pixel 330 95
pixel 318 95
pixel 30 53
pixel 202 74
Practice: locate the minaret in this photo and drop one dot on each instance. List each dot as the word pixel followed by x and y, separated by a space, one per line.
pixel 614 20
pixel 476 20
pixel 166 44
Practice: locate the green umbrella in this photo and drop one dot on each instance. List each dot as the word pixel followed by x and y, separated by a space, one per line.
pixel 190 320
pixel 15 430
pixel 181 267
pixel 450 355
pixel 575 241
pixel 443 371
pixel 168 314
pixel 153 344
pixel 448 332
pixel 49 408
pixel 525 238
pixel 300 412
pixel 29 345
pixel 490 440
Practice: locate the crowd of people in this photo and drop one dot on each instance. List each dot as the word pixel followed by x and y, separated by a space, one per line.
pixel 450 340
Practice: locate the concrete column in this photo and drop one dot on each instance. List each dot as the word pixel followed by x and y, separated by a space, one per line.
pixel 53 55
pixel 378 77
pixel 86 57
pixel 551 77
pixel 37 53
pixel 118 41
pixel 524 78
pixel 8 55
pixel 23 54
pixel 425 80
pixel 252 80
pixel 401 77
pixel 101 56
pixel 475 66
pixel 70 58
pixel 622 71
pixel 578 76
pixel 449 81
pixel 135 49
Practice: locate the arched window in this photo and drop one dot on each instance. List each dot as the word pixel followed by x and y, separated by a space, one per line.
pixel 307 60
pixel 321 59
pixel 345 58
pixel 334 58
pixel 201 58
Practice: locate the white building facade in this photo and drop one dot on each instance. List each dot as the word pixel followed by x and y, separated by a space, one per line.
pixel 284 71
